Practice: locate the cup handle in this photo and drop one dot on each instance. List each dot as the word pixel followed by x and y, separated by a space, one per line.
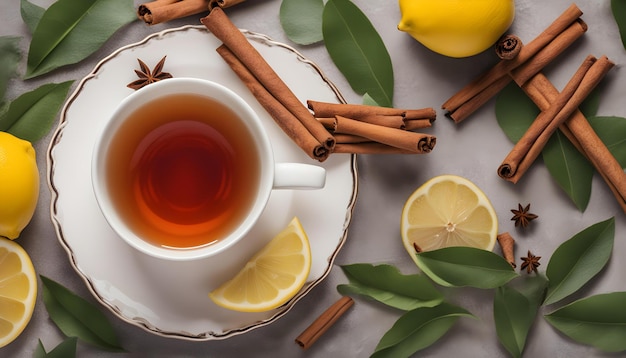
pixel 299 176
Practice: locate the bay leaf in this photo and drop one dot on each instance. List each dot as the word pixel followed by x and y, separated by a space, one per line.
pixel 31 14
pixel 69 31
pixel 302 20
pixel 65 349
pixel 358 51
pixel 10 56
pixel 40 351
pixel 515 312
pixel 599 321
pixel 418 329
pixel 569 168
pixel 532 287
pixel 612 131
pixel 579 259
pixel 31 115
pixel 515 112
pixel 77 317
pixel 460 266
pixel 618 7
pixel 385 284
pixel 589 107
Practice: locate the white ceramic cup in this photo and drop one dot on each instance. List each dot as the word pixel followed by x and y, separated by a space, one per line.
pixel 272 175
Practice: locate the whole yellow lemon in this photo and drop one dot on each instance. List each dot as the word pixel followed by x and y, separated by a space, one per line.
pixel 19 184
pixel 456 28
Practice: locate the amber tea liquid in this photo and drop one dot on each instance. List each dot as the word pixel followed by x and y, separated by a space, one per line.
pixel 182 171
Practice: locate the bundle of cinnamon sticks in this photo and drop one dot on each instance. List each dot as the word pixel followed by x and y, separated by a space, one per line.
pixel 535 55
pixel 331 128
pixel 367 129
pixel 528 148
pixel 159 11
pixel 559 110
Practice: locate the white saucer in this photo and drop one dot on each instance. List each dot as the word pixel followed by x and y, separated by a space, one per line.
pixel 165 298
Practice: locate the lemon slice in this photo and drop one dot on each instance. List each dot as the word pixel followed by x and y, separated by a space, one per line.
pixel 18 290
pixel 272 276
pixel 448 210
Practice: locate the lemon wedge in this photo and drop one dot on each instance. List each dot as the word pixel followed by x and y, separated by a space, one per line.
pixel 272 276
pixel 18 290
pixel 448 210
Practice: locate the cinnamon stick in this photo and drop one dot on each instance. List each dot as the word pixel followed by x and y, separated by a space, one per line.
pixel 397 122
pixel 160 11
pixel 369 148
pixel 328 123
pixel 223 3
pixel 543 92
pixel 544 56
pixel 508 47
pixel 477 100
pixel 220 25
pixel 410 141
pixel 411 124
pixel 422 113
pixel 387 121
pixel 532 142
pixel 283 117
pixel 560 34
pixel 358 111
pixel 342 138
pixel 326 320
pixel 507 245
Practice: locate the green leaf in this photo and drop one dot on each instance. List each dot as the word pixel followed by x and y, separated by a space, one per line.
pixel 589 107
pixel 10 56
pixel 579 259
pixel 418 329
pixel 69 31
pixel 569 168
pixel 76 317
pixel 32 114
pixel 302 20
pixel 515 112
pixel 358 50
pixel 612 131
pixel 384 283
pixel 619 13
pixel 599 321
pixel 515 311
pixel 4 107
pixel 40 351
pixel 31 14
pixel 65 349
pixel 465 266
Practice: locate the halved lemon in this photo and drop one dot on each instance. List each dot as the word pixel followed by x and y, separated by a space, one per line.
pixel 448 210
pixel 18 290
pixel 272 276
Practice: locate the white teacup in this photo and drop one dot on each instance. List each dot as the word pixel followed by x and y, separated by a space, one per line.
pixel 184 168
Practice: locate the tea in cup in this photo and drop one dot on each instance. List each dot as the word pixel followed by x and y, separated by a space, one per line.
pixel 184 168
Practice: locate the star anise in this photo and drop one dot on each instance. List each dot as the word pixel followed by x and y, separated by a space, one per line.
pixel 147 77
pixel 522 215
pixel 530 262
